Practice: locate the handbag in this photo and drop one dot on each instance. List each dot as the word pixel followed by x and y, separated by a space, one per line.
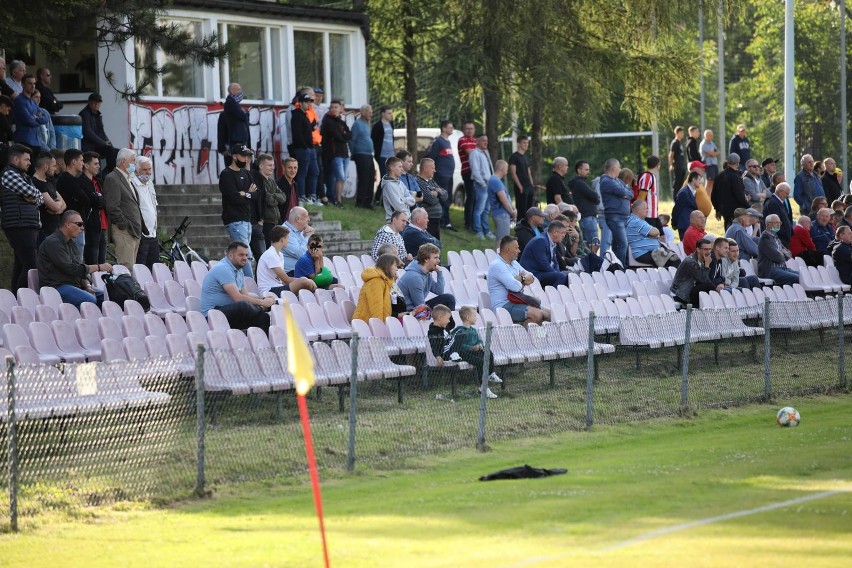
pixel 524 299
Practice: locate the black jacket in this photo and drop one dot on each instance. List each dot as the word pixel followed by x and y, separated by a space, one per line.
pixel 377 135
pixel 774 206
pixel 236 123
pixel 524 232
pixel 831 187
pixel 842 255
pixel 48 99
pixel 302 129
pixel 94 135
pixel 235 207
pixel 335 135
pixel 729 193
pixel 585 198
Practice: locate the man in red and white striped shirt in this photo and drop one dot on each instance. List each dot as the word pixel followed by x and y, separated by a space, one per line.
pixel 466 145
pixel 648 184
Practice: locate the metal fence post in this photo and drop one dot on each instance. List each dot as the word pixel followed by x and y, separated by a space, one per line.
pixel 12 442
pixel 483 386
pixel 684 381
pixel 841 344
pixel 767 376
pixel 590 373
pixel 353 396
pixel 200 421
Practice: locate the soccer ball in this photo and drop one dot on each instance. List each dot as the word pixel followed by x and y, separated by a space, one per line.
pixel 788 417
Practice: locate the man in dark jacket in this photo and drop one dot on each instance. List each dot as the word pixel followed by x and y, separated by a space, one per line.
pixel 772 255
pixel 841 252
pixel 48 99
pixel 729 191
pixel 433 194
pixel 586 199
pixel 20 200
pixel 335 151
pixel 830 184
pixel 302 128
pixel 685 203
pixel 233 122
pixel 95 138
pixel 238 195
pixel 693 275
pixel 778 204
pixel 529 227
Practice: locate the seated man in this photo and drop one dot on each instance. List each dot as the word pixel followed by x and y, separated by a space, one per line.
pixel 693 275
pixel 506 275
pixel 801 243
pixel 271 277
pixel 415 233
pixel 60 265
pixel 311 265
pixel 417 281
pixel 224 289
pixel 529 227
pixel 540 256
pixel 821 231
pixel 841 252
pixel 735 277
pixel 297 243
pixel 390 234
pixel 771 255
pixel 642 238
pixel 695 232
pixel 739 232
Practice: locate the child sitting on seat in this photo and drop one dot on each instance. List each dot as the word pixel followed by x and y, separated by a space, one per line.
pixel 440 339
pixel 469 346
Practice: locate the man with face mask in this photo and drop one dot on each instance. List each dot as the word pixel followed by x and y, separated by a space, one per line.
pixel 772 255
pixel 122 208
pixel 143 181
pixel 236 120
pixel 238 190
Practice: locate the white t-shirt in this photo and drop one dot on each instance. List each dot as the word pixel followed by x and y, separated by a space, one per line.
pixel 266 277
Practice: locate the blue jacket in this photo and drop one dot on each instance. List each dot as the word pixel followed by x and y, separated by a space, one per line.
pixel 806 188
pixel 28 118
pixel 416 284
pixel 538 256
pixel 616 196
pixel 238 122
pixel 684 206
pixel 413 237
pixel 361 143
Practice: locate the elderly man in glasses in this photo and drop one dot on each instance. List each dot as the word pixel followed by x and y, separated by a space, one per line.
pixel 60 265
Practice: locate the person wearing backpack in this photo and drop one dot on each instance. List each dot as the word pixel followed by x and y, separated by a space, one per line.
pixel 60 264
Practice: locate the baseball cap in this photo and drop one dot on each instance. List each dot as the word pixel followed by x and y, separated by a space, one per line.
pixel 733 158
pixel 241 150
pixel 318 91
pixel 768 161
pixel 96 97
pixel 695 164
pixel 535 212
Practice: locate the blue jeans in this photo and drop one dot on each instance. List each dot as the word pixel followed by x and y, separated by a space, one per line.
pixel 606 235
pixel 336 169
pixel 73 295
pixel 240 231
pixel 783 275
pixel 618 225
pixel 589 226
pixel 306 177
pixel 480 210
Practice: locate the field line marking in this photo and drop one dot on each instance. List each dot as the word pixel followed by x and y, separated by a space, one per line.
pixel 726 517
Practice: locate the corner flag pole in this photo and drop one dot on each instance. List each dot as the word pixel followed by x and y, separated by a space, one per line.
pixel 301 366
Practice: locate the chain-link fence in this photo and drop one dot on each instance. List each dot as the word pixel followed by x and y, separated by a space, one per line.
pixel 76 435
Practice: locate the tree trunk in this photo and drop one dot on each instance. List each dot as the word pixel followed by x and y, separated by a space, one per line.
pixel 492 98
pixel 409 53
pixel 536 144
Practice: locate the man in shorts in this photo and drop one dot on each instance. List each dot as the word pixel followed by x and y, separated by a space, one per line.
pixel 270 268
pixel 506 275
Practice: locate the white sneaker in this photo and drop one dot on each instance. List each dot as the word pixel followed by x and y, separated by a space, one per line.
pixel 493 378
pixel 455 357
pixel 488 393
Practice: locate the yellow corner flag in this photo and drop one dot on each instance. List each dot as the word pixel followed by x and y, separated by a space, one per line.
pixel 299 360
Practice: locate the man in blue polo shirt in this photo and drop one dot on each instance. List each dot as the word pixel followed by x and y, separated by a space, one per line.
pixel 642 238
pixel 224 289
pixel 297 244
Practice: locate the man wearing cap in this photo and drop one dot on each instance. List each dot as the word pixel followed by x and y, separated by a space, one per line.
pixel 685 203
pixel 769 167
pixel 756 192
pixel 830 181
pixel 772 255
pixel 306 136
pixel 779 205
pixel 94 135
pixel 529 227
pixel 729 192
pixel 238 192
pixel 741 146
pixel 677 163
pixel 807 185
pixel 743 219
pixel 710 157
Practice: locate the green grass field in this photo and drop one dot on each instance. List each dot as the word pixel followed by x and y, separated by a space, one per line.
pixel 623 482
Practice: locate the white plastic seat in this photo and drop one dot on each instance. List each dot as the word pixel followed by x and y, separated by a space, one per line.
pixel 217 321
pixel 196 322
pixel 133 327
pixel 199 271
pixel 176 324
pixel 175 296
pixel 337 320
pixel 112 310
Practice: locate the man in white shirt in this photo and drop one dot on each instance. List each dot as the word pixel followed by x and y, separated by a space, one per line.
pixel 149 245
pixel 271 277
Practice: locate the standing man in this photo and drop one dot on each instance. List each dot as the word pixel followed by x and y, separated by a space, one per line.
pixel 44 179
pixel 6 133
pixel 433 194
pixel 361 149
pixel 287 184
pixel 729 193
pixel 306 135
pixel 95 244
pixel 586 199
pixel 274 197
pixel 557 189
pixel 27 116
pixel 685 203
pixel 395 196
pixel 17 70
pixel 807 185
pixel 236 119
pixel 5 89
pixel 238 194
pixel 830 183
pixel 710 157
pixel 48 99
pixel 149 245
pixel 519 168
pixel 94 135
pixel 481 171
pixel 498 202
pixel 779 206
pixel 445 167
pixel 466 145
pixel 756 192
pixel 769 168
pixel 740 145
pixel 677 163
pixel 382 137
pixel 19 203
pixel 649 183
pixel 122 208
pixel 693 151
pixel 335 151
pixel 616 199
pixel 70 187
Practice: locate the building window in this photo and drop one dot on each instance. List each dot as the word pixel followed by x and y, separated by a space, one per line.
pixel 341 67
pixel 309 59
pixel 312 61
pixel 178 78
pixel 246 60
